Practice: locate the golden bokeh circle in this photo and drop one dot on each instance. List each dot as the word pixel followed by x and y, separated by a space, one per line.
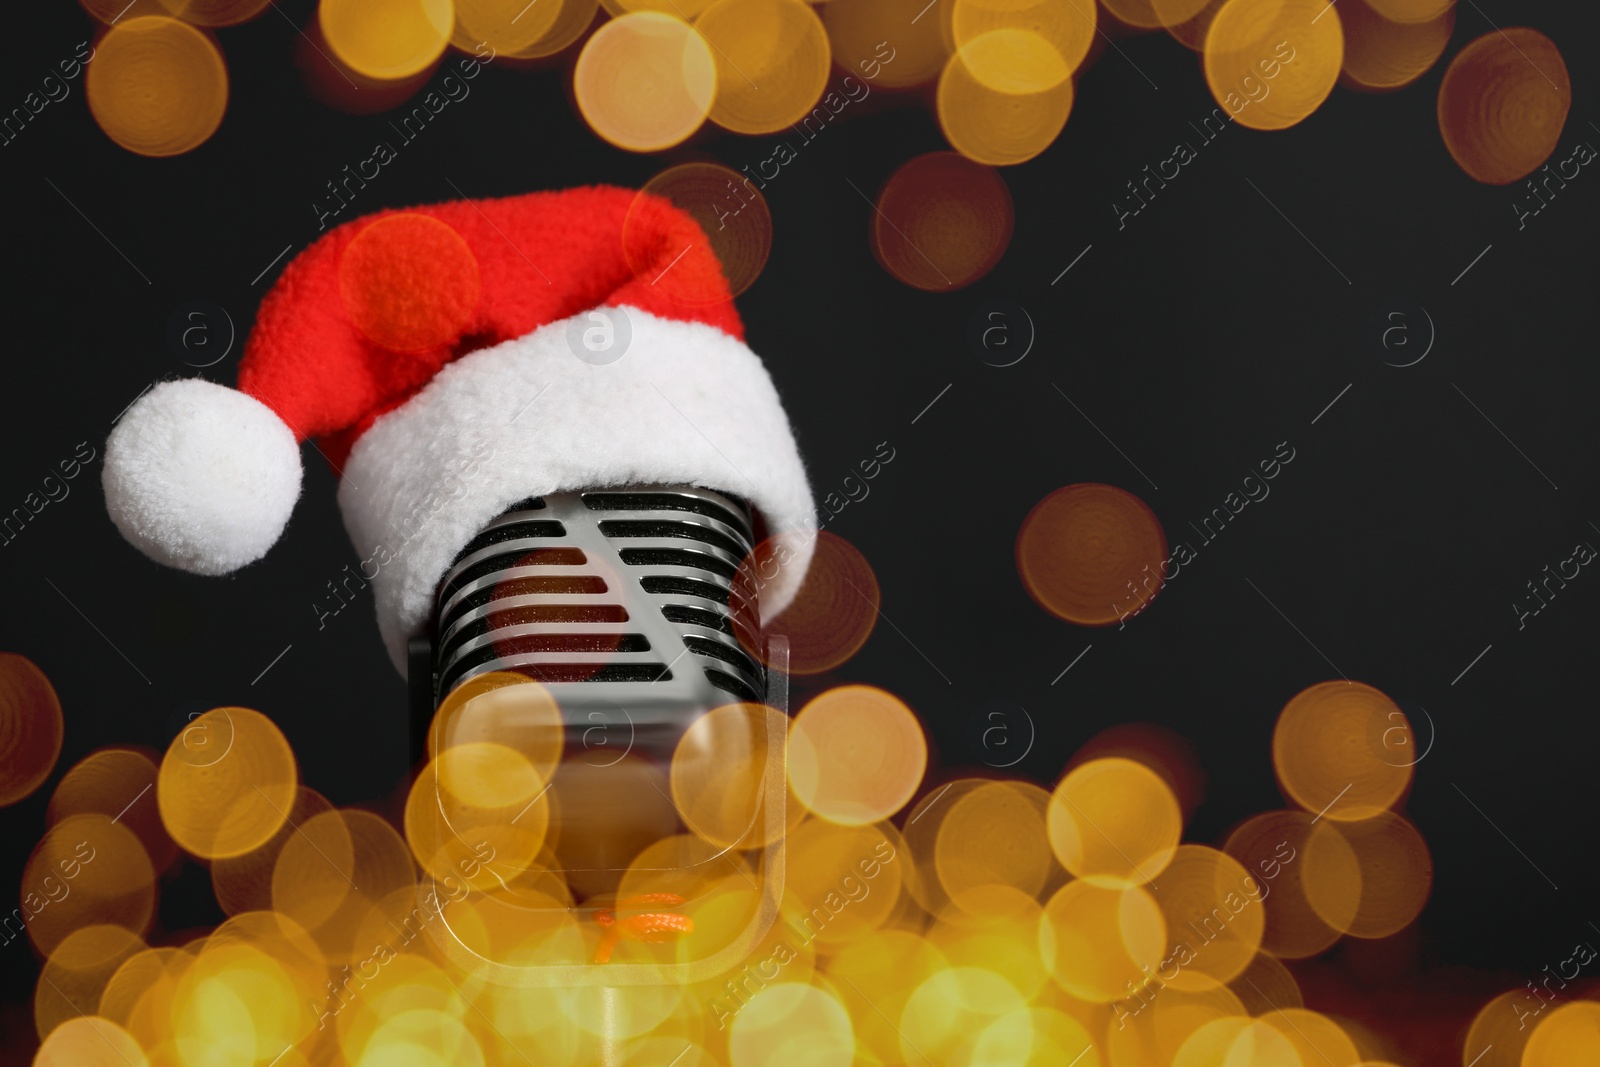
pixel 1098 942
pixel 942 221
pixel 226 783
pixel 1396 874
pixel 884 43
pixel 1502 104
pixel 1381 55
pixel 1272 847
pixel 507 26
pixel 1315 1037
pixel 1213 905
pixel 731 212
pixel 1114 823
pixel 772 62
pixel 1498 1033
pixel 77 972
pixel 995 835
pixel 856 755
pixel 791 1023
pixel 993 126
pixel 118 782
pixel 1333 752
pixel 1065 28
pixel 31 727
pixel 244 882
pixel 832 614
pixel 157 86
pixel 214 12
pixel 1568 1036
pixel 1413 10
pixel 852 874
pixel 1091 554
pixel 645 81
pixel 719 776
pixel 505 708
pixel 387 39
pixel 90 1041
pixel 87 870
pixel 1271 63
pixel 1238 1042
pixel 475 809
pixel 948 1008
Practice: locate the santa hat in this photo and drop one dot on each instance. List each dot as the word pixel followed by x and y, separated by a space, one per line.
pixel 451 361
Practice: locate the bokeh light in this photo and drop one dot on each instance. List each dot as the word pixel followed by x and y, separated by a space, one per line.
pixel 1413 10
pixel 1272 847
pixel 1569 1035
pixel 1502 104
pixel 215 12
pixel 78 971
pixel 1212 905
pixel 1237 1042
pixel 409 282
pixel 1037 44
pixel 1098 942
pixel 1338 751
pixel 508 26
pixel 885 42
pixel 856 755
pixel 1007 125
pixel 244 882
pixel 1396 874
pixel 645 81
pixel 1499 1032
pixel 88 870
pixel 995 836
pixel 719 776
pixel 941 222
pixel 731 212
pixel 119 782
pixel 1091 554
pixel 387 39
pixel 1271 63
pixel 1381 55
pixel 1114 823
pixel 90 1041
pixel 226 783
pixel 31 727
pixel 772 62
pixel 157 86
pixel 831 616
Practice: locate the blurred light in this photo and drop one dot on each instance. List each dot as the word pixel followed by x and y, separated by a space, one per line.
pixel 1335 753
pixel 31 728
pixel 157 86
pixel 949 1008
pixel 995 927
pixel 1499 1032
pixel 506 708
pixel 645 81
pixel 226 783
pixel 772 62
pixel 77 973
pixel 90 1041
pixel 506 26
pixel 892 964
pixel 1035 1037
pixel 244 882
pixel 340 86
pixel 1165 751
pixel 1098 942
pixel 718 776
pixel 995 835
pixel 1212 905
pixel 1272 847
pixel 605 813
pixel 113 781
pixel 572 21
pixel 1139 14
pixel 732 213
pixel 387 39
pixel 1235 1042
pixel 1413 10
pixel 139 996
pixel 1396 874
pixel 921 831
pixel 791 1025
pixel 828 875
pixel 859 33
pixel 1503 103
pixel 993 126
pixel 1266 985
pixel 314 872
pixel 214 12
pixel 1091 554
pixel 1315 1037
pixel 1153 1022
pixel 1114 823
pixel 1568 1036
pixel 421 1037
pixel 1271 63
pixel 1191 31
pixel 942 222
pixel 830 617
pixel 108 10
pixel 87 870
pixel 476 803
pixel 1381 55
pixel 856 755
pixel 409 282
pixel 1065 28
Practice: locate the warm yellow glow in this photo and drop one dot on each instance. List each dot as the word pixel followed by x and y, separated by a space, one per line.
pixel 879 43
pixel 1098 941
pixel 1396 874
pixel 719 776
pixel 157 86
pixel 476 808
pixel 949 1008
pixel 1064 27
pixel 1092 554
pixel 1344 750
pixel 507 708
pixel 991 126
pixel 790 1024
pixel 1238 1043
pixel 87 870
pixel 116 782
pixel 90 1041
pixel 31 727
pixel 1272 847
pixel 507 26
pixel 645 81
pixel 214 12
pixel 1315 1037
pixel 1213 907
pixel 772 62
pixel 856 755
pixel 244 882
pixel 78 971
pixel 996 835
pixel 892 964
pixel 1381 55
pixel 1413 10
pixel 828 875
pixel 1114 823
pixel 1569 1035
pixel 1503 103
pixel 831 616
pixel 315 870
pixel 1271 63
pixel 387 39
pixel 226 783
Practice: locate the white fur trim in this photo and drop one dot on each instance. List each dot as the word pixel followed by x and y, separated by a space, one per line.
pixel 685 404
pixel 201 477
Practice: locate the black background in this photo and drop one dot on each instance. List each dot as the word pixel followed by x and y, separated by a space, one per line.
pixel 1197 338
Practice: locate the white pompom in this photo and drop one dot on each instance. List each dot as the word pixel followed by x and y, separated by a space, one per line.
pixel 201 477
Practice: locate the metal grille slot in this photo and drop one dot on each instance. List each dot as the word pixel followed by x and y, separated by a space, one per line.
pixel 561 596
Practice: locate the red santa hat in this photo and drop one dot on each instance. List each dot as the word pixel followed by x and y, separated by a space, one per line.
pixel 451 361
